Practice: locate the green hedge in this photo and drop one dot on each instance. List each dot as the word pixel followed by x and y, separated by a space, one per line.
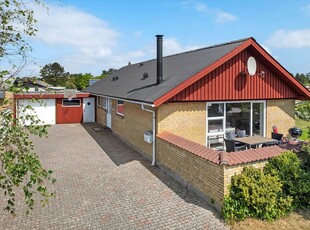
pixel 283 184
pixel 255 194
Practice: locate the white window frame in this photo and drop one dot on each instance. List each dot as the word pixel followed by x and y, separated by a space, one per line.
pixel 224 117
pixel 98 101
pixel 71 105
pixel 117 103
pixel 104 105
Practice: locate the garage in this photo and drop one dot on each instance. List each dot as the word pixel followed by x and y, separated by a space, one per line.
pixel 55 108
pixel 44 109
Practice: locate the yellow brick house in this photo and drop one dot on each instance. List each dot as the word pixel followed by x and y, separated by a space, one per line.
pixel 194 98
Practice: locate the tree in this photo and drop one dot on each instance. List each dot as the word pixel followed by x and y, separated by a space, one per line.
pixel 20 167
pixel 107 72
pixel 54 74
pixel 80 80
pixel 303 78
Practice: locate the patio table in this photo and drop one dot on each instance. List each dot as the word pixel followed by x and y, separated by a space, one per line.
pixel 256 140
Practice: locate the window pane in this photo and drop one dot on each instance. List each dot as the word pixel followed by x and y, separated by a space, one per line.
pixel 216 142
pixel 120 107
pixel 73 102
pixel 104 102
pixel 216 110
pixel 258 119
pixel 215 126
pixel 238 116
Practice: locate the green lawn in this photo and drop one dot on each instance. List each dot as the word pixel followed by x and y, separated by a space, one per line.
pixel 302 124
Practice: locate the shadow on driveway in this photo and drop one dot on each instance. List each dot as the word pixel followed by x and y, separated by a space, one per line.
pixel 121 153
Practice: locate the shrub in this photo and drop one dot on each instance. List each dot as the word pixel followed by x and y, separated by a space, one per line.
pixel 302 111
pixel 255 194
pixel 295 180
pixel 302 199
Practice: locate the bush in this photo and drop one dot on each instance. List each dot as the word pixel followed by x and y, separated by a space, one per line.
pixel 255 194
pixel 294 178
pixel 302 111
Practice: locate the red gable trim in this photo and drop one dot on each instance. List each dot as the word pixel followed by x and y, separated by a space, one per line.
pixel 300 88
pixel 297 86
pixel 47 96
pixel 201 74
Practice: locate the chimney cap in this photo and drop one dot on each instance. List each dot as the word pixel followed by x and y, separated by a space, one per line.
pixel 159 36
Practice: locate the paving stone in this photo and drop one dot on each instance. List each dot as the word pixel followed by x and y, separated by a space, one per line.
pixel 102 183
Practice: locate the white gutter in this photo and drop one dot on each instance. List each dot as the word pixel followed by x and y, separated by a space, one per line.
pixel 154 133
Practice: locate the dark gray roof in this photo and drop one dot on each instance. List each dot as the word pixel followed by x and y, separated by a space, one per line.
pixel 129 84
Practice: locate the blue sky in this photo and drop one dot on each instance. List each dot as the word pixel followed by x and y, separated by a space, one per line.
pixel 89 36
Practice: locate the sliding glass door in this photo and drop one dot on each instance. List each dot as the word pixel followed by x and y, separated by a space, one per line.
pixel 233 116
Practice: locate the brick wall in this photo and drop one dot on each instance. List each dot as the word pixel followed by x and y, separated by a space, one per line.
pixel 209 180
pixel 101 115
pixel 132 125
pixel 186 120
pixel 203 177
pixel 280 113
pixel 229 171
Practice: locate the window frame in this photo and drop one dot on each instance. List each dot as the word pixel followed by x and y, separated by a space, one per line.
pixel 74 99
pixel 264 109
pixel 98 100
pixel 104 105
pixel 118 104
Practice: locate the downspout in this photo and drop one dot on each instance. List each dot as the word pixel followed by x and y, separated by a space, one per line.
pixel 154 133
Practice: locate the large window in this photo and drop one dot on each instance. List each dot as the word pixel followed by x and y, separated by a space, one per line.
pixel 120 107
pixel 233 116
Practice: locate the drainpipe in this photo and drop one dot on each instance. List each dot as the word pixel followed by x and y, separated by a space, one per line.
pixel 154 133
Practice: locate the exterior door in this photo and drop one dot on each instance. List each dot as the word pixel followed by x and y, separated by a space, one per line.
pixel 44 109
pixel 89 109
pixel 69 111
pixel 109 115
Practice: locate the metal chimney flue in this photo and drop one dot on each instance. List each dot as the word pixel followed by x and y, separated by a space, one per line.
pixel 159 59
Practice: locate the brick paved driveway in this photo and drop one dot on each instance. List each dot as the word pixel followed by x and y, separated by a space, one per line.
pixel 104 184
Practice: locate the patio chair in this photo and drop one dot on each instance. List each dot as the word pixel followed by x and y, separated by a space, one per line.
pixel 241 133
pixel 230 135
pixel 277 136
pixel 232 147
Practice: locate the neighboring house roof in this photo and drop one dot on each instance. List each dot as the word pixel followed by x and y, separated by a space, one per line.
pixel 138 81
pixel 32 83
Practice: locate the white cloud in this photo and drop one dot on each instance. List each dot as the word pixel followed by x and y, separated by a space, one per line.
pixel 79 41
pixel 290 39
pixel 138 34
pixel 219 15
pixel 306 8
pixel 223 17
pixel 172 46
pixel 67 26
pixel 267 48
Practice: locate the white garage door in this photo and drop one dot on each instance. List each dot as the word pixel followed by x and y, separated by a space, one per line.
pixel 45 109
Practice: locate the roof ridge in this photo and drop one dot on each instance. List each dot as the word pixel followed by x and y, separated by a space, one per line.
pixel 195 50
pixel 212 46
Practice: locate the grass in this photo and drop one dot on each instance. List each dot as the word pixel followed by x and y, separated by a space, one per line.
pixel 298 220
pixel 303 125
